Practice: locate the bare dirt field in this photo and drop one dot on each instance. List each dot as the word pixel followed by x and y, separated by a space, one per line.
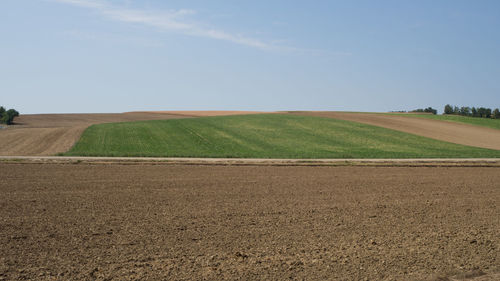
pixel 441 130
pixel 206 113
pixel 195 222
pixel 49 134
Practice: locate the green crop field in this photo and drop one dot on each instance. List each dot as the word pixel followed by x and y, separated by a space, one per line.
pixel 262 136
pixel 485 122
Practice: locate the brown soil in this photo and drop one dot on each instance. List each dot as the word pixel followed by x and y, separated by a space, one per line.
pixel 441 130
pixel 49 134
pixel 189 222
pixel 205 113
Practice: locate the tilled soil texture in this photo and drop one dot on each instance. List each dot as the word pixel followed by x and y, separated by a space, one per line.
pixel 191 222
pixel 441 130
pixel 49 134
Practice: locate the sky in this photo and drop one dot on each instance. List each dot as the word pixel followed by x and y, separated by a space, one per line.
pixel 76 56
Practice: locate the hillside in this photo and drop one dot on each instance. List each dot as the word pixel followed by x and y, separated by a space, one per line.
pixel 49 134
pixel 263 136
pixel 430 127
pixel 484 122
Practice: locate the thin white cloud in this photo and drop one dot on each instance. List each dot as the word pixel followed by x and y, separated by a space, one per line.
pixel 83 3
pixel 171 20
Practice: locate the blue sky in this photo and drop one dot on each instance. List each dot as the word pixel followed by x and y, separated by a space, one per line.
pixel 117 55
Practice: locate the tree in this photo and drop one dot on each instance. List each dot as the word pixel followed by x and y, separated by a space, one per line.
pixel 448 109
pixel 465 111
pixel 484 112
pixel 431 110
pixel 488 113
pixel 9 115
pixel 474 112
pixel 480 112
pixel 2 112
pixel 496 113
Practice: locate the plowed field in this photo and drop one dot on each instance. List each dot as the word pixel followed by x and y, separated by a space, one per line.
pixel 441 130
pixel 206 113
pixel 190 222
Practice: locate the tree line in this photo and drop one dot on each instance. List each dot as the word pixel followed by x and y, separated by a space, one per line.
pixel 7 116
pixel 481 112
pixel 426 110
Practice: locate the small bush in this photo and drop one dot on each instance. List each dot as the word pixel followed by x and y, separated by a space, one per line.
pixel 427 110
pixel 7 116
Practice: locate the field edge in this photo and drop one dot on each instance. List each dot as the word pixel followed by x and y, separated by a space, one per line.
pixel 416 162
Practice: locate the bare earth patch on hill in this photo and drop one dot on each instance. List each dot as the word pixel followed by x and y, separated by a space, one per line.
pixel 49 134
pixel 464 134
pixel 192 222
pixel 207 113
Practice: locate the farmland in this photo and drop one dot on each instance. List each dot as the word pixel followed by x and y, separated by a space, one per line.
pixel 49 134
pixel 485 122
pixel 130 222
pixel 226 219
pixel 263 136
pixel 202 140
pixel 454 132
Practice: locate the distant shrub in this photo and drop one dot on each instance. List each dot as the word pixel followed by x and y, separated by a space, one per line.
pixel 7 116
pixel 427 110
